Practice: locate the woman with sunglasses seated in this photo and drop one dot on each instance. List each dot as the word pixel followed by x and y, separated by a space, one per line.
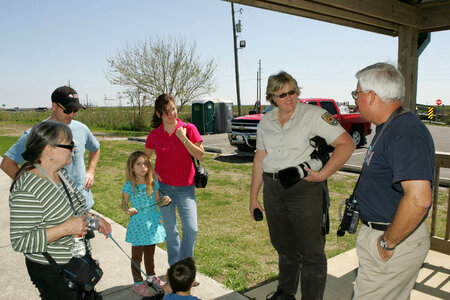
pixel 43 217
pixel 294 214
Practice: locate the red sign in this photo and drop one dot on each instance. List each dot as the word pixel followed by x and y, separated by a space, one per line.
pixel 438 101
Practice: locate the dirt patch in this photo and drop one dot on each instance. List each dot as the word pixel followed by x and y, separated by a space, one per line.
pixel 19 129
pixel 110 138
pixel 13 129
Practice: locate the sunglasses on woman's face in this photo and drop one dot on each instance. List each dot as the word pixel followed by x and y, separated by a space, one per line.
pixel 70 146
pixel 67 111
pixel 290 93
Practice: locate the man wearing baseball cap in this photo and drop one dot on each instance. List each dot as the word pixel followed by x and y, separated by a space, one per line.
pixel 65 104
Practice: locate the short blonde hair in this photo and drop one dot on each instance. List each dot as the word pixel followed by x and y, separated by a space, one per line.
pixel 277 82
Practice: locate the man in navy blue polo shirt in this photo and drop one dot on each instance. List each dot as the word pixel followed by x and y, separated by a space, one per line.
pixel 394 191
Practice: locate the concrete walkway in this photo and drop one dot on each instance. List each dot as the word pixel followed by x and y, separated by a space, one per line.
pixel 433 281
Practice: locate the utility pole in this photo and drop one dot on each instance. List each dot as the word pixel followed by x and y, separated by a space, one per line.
pixel 258 87
pixel 237 28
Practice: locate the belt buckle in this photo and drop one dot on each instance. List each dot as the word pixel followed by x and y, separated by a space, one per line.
pixel 275 176
pixel 377 224
pixel 370 225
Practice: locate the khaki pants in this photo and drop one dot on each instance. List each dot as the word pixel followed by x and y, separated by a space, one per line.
pixel 393 279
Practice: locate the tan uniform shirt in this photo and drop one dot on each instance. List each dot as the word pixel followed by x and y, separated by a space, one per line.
pixel 289 146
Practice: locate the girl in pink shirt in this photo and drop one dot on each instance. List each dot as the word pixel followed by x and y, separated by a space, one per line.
pixel 174 142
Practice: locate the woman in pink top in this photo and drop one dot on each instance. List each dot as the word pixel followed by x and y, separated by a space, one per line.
pixel 174 142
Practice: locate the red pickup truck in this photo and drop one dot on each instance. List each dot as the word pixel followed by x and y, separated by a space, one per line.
pixel 243 128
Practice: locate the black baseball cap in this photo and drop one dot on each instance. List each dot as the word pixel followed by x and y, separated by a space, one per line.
pixel 67 97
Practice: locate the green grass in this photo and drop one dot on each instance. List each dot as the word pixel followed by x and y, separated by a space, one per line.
pixel 231 247
pixel 6 143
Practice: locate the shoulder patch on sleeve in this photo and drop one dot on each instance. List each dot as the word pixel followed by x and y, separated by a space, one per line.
pixel 327 117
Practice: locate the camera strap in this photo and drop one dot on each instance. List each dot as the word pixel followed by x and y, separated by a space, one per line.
pixel 397 112
pixel 196 162
pixel 64 183
pixel 136 265
pixel 325 218
pixel 73 208
pixel 50 259
pixel 68 195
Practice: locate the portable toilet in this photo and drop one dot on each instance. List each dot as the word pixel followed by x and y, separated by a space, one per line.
pixel 223 110
pixel 203 116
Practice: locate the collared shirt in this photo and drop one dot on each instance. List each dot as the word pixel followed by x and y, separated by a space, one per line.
pixel 289 146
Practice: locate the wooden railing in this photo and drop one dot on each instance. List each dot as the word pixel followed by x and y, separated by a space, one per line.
pixel 440 244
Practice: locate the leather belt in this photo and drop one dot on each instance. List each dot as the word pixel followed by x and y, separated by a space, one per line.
pixel 273 175
pixel 376 226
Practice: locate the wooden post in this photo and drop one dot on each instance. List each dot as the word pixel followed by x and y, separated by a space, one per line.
pixel 407 63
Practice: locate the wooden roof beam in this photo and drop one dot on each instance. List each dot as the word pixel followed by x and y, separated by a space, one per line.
pixel 387 10
pixel 436 18
pixel 314 12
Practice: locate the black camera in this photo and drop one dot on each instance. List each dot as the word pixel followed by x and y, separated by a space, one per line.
pixel 92 225
pixel 350 219
pixel 257 214
pixel 319 157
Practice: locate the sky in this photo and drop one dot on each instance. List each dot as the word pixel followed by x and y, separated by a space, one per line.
pixel 46 44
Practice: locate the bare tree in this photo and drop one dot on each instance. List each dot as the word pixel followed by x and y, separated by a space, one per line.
pixel 159 66
pixel 137 101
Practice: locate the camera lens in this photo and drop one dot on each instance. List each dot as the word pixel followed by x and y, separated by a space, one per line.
pixel 92 223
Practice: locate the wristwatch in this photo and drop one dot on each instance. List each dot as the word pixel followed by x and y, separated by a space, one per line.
pixel 384 245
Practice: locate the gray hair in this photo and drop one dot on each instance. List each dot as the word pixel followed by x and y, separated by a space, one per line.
pixel 384 79
pixel 42 134
pixel 277 82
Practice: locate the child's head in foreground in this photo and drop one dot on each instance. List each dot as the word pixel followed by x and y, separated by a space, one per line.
pixel 181 275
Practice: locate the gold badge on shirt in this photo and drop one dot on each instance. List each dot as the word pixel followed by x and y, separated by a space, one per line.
pixel 329 119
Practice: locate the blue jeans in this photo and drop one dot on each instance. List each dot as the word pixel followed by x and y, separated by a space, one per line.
pixel 183 199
